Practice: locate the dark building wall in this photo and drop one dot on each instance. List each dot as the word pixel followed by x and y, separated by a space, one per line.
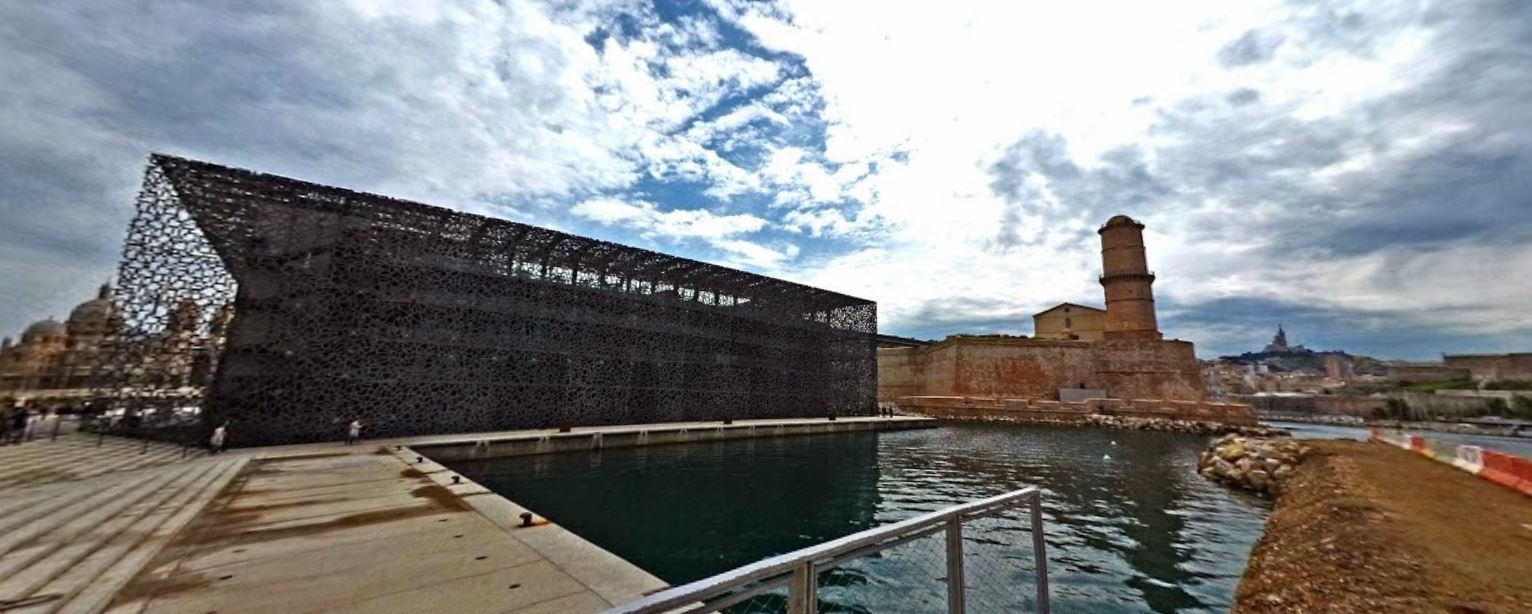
pixel 420 320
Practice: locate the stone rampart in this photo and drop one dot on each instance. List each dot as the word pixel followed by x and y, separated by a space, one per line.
pixel 1054 412
pixel 1019 368
pixel 1493 367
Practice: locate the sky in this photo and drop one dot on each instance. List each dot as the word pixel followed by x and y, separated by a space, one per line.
pixel 1358 171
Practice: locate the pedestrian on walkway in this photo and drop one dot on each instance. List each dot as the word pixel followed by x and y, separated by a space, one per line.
pixel 215 443
pixel 18 425
pixel 353 432
pixel 33 419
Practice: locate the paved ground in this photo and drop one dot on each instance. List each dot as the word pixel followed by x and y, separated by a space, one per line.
pixel 70 546
pixel 1367 527
pixel 362 532
pixel 292 529
pixel 77 456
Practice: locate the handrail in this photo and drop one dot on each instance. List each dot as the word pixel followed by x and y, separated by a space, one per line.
pixel 785 568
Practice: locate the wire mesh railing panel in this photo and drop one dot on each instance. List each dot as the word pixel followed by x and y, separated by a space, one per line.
pixel 910 577
pixel 772 602
pixel 1000 571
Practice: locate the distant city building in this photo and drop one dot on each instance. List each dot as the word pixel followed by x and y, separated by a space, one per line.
pixel 1070 321
pixel 1339 367
pixel 59 364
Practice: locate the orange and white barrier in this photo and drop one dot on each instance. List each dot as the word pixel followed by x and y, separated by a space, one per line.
pixel 1469 458
pixel 1504 469
pixel 1507 470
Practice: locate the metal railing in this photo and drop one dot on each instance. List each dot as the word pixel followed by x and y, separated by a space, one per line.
pixel 799 571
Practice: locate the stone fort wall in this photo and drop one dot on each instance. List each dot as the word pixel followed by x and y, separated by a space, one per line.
pixel 1020 368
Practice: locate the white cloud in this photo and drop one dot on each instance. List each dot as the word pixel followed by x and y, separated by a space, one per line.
pixel 722 232
pixel 951 89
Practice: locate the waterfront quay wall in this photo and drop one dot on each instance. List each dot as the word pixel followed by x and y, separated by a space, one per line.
pixel 1055 412
pixel 456 449
pixel 1022 368
pixel 1507 470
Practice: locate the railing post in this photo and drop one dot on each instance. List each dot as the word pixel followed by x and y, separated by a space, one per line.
pixel 803 592
pixel 955 602
pixel 1040 551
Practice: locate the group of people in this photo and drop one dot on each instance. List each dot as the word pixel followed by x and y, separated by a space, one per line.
pixel 220 436
pixel 21 425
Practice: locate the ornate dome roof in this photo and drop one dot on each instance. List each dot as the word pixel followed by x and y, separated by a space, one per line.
pixel 95 316
pixel 93 311
pixel 49 328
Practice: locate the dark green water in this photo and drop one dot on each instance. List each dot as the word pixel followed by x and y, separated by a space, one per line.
pixel 1138 531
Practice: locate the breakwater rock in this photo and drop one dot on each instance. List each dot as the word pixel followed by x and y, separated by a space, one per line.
pixel 1171 425
pixel 1257 464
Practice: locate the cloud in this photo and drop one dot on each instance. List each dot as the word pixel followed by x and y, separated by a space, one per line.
pixel 1252 48
pixel 722 232
pixel 675 223
pixel 1359 166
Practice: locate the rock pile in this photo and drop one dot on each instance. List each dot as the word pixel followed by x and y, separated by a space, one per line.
pixel 1178 426
pixel 1252 463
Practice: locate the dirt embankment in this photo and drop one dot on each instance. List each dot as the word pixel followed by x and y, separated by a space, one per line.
pixel 1365 527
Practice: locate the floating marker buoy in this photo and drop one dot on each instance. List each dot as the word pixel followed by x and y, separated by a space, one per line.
pixel 1114 443
pixel 1106 457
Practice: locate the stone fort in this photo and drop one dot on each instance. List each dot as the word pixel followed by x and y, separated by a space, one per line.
pixel 1081 358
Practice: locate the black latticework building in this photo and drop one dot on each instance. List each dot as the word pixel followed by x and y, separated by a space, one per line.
pixel 418 319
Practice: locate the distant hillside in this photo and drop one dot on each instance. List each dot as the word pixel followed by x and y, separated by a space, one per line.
pixel 1307 360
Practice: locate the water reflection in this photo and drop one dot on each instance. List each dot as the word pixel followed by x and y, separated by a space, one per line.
pixel 1130 526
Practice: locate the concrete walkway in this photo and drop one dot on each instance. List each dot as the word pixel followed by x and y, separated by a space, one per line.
pixel 69 547
pixel 353 532
pixel 307 528
pixel 77 456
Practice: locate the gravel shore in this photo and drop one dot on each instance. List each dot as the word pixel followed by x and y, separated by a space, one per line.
pixel 1365 527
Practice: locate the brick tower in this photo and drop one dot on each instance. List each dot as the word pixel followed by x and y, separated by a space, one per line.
pixel 1127 281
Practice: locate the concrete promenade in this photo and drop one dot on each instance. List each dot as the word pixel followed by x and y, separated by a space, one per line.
pixel 44 460
pixel 328 527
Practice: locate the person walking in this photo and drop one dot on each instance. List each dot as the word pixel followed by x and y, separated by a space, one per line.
pixel 215 443
pixel 353 432
pixel 33 419
pixel 18 425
